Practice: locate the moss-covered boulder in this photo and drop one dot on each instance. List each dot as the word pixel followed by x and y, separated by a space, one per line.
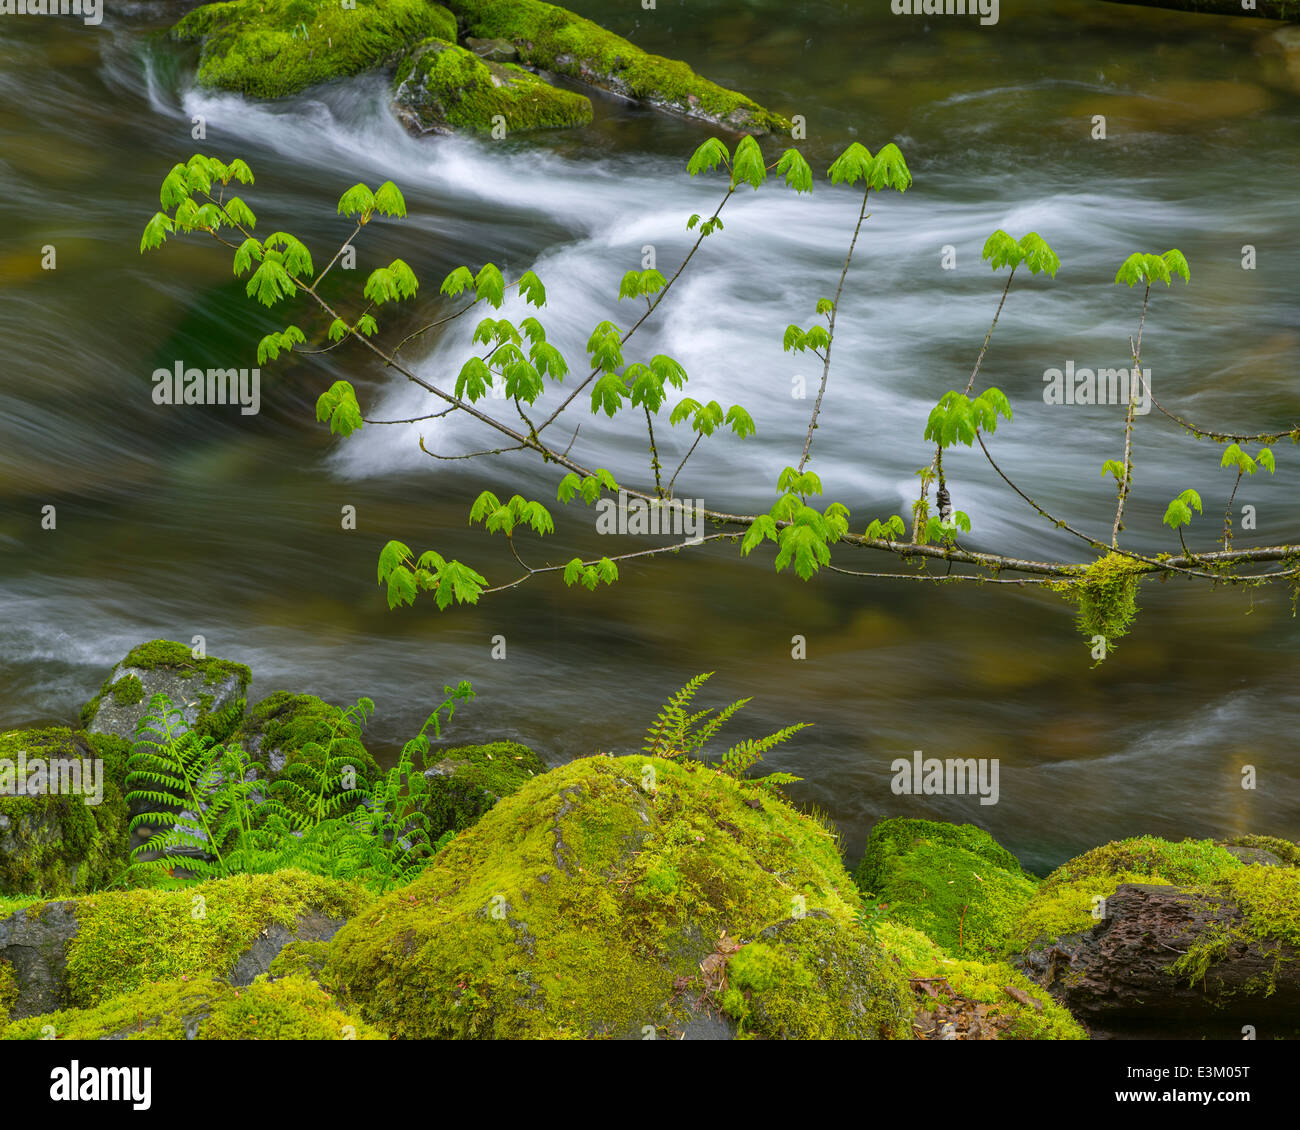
pixel 964 999
pixel 273 48
pixel 291 734
pixel 953 882
pixel 204 1008
pixel 600 900
pixel 211 693
pixel 559 41
pixel 78 953
pixel 63 819
pixel 442 88
pixel 468 780
pixel 1072 899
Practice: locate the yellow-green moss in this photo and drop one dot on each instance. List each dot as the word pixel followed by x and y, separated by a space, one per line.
pixel 273 48
pixel 300 959
pixel 1106 596
pixel 442 83
pixel 1064 902
pixel 471 779
pixel 127 937
pixel 573 906
pixel 204 1008
pixel 808 985
pixel 557 40
pixel 1069 908
pixel 128 691
pixel 984 983
pixel 8 991
pixel 1286 850
pixel 55 845
pixel 298 728
pixel 953 882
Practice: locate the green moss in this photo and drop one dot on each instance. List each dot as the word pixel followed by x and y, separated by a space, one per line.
pixel 953 882
pixel 1213 945
pixel 8 991
pixel 807 985
pixel 1069 908
pixel 442 83
pixel 1064 903
pixel 1287 851
pixel 126 938
pixel 471 779
pixel 300 959
pixel 52 844
pixel 984 983
pixel 298 728
pixel 552 917
pixel 890 839
pixel 1184 862
pixel 1269 897
pixel 1106 596
pixel 273 48
pixel 128 691
pixel 204 1008
pixel 559 41
pixel 11 904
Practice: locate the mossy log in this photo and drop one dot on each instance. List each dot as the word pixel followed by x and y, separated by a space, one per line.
pixel 1176 961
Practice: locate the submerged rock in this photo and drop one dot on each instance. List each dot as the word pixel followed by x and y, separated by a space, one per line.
pixel 211 693
pixel 441 88
pixel 585 905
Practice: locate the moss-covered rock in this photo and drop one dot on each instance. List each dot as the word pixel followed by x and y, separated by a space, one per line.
pixel 72 835
pixel 80 952
pixel 441 87
pixel 557 40
pixel 273 48
pixel 1071 899
pixel 953 882
pixel 211 693
pixel 290 734
pixel 1253 849
pixel 585 906
pixel 300 959
pixel 204 1008
pixel 1014 1007
pixel 469 780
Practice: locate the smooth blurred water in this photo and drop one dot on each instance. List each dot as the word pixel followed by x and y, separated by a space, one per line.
pixel 174 522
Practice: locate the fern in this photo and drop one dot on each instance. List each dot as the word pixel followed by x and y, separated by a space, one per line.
pixel 674 733
pixel 227 821
pixel 667 735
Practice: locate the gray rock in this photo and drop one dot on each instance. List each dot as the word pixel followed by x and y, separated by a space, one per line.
pixel 494 50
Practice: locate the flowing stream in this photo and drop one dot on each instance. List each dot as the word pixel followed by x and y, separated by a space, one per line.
pixel 174 522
